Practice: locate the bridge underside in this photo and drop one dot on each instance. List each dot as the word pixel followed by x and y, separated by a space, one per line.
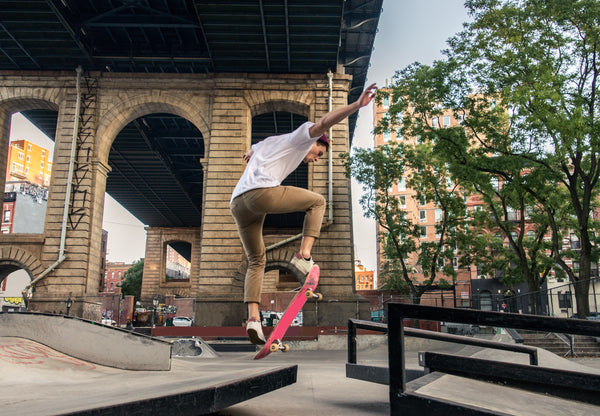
pixel 171 94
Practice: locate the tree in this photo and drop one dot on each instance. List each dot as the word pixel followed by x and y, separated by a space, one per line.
pixel 523 78
pixel 132 285
pixel 378 171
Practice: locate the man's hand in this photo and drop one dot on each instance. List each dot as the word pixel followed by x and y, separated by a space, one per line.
pixel 248 155
pixel 367 95
pixel 334 117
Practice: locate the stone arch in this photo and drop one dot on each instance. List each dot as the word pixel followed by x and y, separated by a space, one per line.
pixel 22 104
pixel 280 105
pixel 13 100
pixel 175 244
pixel 13 258
pixel 277 259
pixel 123 113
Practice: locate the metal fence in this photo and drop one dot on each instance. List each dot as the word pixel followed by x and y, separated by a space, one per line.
pixel 557 300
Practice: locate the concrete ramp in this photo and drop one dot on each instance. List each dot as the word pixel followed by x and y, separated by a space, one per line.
pixel 36 380
pixel 451 394
pixel 89 341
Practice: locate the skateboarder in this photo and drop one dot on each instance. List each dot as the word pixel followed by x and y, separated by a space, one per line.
pixel 259 192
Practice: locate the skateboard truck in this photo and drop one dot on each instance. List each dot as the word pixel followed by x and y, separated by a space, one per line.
pixel 311 295
pixel 277 345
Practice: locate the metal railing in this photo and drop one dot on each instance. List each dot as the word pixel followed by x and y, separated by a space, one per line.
pixel 380 374
pixel 569 384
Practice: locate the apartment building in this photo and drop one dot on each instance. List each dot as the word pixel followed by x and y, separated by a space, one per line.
pixel 114 274
pixel 28 162
pixel 364 278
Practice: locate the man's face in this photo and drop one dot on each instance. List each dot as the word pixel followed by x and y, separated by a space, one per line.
pixel 316 151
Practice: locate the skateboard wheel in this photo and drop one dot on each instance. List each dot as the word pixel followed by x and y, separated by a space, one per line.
pixel 285 347
pixel 318 297
pixel 309 294
pixel 274 347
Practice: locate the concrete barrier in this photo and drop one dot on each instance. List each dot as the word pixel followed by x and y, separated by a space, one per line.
pixel 89 341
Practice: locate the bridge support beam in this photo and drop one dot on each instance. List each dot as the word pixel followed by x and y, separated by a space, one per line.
pixel 221 106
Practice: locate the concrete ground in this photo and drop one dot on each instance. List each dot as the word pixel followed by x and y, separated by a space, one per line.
pixel 321 388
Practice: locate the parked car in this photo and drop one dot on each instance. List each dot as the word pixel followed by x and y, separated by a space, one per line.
pixel 182 321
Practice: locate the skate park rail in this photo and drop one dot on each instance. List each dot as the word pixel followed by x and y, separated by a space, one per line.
pixel 574 385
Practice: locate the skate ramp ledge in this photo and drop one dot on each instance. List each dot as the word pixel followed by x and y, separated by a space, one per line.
pixel 89 341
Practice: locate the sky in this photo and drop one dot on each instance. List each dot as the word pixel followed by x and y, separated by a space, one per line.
pixel 409 31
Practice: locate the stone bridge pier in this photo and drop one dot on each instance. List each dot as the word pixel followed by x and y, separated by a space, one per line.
pixel 66 259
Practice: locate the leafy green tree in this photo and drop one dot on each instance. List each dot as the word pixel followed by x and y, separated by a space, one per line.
pixel 378 171
pixel 132 285
pixel 523 78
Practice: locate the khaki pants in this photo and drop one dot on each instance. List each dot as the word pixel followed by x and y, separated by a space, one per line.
pixel 249 211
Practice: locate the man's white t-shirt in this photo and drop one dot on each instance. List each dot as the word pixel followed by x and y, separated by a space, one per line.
pixel 274 158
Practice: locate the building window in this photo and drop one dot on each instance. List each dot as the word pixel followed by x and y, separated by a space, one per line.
pixel 495 183
pixel 423 231
pixel 402 201
pixel 29 148
pixel 387 135
pixel 42 164
pixel 435 122
pixel 440 263
pixel 401 184
pixel 6 216
pixel 564 300
pixel 575 243
pixel 423 215
pixel 438 215
pixel 399 135
pixel 446 121
pixel 385 103
pixel 20 156
pixel 485 301
pixel 28 159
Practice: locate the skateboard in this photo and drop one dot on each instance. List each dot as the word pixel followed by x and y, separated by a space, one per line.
pixel 306 292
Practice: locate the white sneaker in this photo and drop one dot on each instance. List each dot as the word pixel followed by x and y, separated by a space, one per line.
pixel 302 264
pixel 255 332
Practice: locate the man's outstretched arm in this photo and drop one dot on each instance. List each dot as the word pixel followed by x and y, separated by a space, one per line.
pixel 335 116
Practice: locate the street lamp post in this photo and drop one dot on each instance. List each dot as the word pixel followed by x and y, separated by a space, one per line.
pixel 155 305
pixel 68 304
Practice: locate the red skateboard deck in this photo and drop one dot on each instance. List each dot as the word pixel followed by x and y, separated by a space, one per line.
pixel 274 342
